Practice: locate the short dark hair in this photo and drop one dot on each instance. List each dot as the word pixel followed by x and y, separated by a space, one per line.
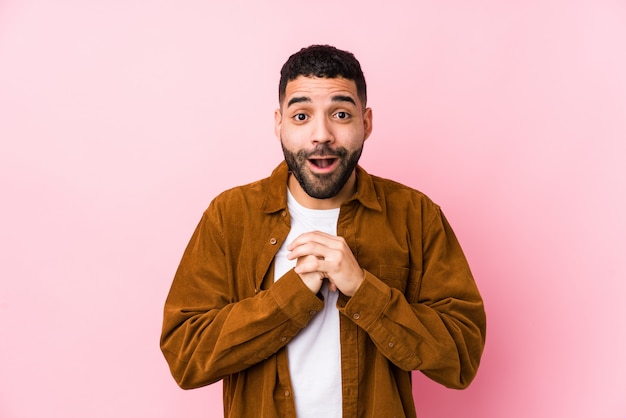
pixel 323 61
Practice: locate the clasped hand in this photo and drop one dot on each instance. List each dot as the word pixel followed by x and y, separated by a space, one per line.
pixel 323 256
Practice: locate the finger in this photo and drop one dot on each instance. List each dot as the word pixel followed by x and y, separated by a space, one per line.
pixel 308 249
pixel 313 237
pixel 308 265
pixel 303 259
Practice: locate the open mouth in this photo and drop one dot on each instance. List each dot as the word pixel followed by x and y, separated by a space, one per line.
pixel 322 162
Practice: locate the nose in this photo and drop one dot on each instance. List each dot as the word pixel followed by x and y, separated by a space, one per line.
pixel 322 131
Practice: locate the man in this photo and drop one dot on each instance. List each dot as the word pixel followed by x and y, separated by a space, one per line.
pixel 315 292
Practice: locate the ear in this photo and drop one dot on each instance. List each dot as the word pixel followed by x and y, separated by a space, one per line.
pixel 278 121
pixel 368 123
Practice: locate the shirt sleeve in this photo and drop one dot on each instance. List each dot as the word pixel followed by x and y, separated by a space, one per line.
pixel 207 333
pixel 441 331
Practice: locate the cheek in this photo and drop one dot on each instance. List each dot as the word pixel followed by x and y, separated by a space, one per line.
pixel 293 135
pixel 354 137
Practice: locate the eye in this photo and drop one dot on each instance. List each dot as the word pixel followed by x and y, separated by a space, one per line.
pixel 342 115
pixel 300 117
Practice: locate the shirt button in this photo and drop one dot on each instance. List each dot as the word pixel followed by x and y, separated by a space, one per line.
pixel 284 213
pixel 356 316
pixel 273 241
pixel 287 393
pixel 311 312
pixel 391 345
pixel 283 339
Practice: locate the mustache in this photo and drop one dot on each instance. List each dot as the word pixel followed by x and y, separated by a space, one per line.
pixel 323 150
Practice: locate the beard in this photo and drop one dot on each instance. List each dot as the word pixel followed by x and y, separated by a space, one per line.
pixel 322 186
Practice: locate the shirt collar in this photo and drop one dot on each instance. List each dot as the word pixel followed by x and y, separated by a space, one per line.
pixel 276 190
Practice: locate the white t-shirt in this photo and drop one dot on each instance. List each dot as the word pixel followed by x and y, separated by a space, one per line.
pixel 315 353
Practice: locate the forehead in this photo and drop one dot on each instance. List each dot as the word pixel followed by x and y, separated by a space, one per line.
pixel 320 88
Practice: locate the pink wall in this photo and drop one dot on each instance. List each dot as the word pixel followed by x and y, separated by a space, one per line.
pixel 121 119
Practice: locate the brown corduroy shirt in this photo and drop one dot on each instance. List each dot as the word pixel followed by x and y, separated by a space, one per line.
pixel 417 309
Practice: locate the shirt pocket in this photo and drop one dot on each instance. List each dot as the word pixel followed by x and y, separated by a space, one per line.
pixel 404 279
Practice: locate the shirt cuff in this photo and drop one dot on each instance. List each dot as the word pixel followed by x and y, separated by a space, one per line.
pixel 295 299
pixel 369 302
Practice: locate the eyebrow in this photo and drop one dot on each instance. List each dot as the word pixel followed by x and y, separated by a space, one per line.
pixel 337 98
pixel 342 98
pixel 301 99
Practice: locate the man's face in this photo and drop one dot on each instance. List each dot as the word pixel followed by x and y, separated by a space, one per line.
pixel 322 126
